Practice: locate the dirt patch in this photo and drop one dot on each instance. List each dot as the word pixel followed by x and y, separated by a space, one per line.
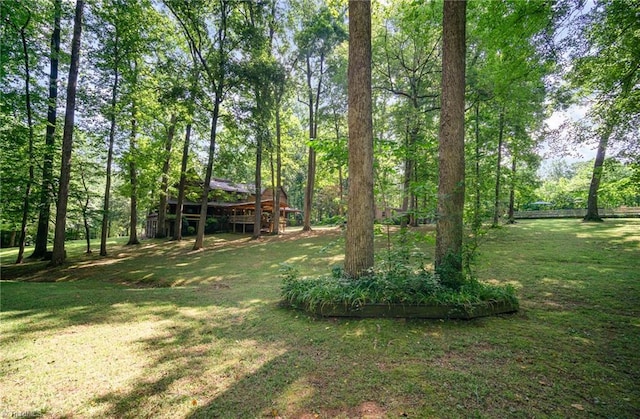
pixel 366 410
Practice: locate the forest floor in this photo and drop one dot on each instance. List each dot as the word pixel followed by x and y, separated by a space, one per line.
pixel 160 330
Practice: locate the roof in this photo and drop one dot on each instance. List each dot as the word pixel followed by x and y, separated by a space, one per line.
pixel 229 186
pixel 237 205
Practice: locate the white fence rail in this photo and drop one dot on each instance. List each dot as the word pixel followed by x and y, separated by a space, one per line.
pixel 622 212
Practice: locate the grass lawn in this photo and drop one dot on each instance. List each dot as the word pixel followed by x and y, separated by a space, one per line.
pixel 158 330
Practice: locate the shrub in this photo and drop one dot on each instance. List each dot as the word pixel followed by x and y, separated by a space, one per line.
pixel 405 286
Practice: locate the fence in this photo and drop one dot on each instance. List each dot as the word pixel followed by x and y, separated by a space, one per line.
pixel 622 212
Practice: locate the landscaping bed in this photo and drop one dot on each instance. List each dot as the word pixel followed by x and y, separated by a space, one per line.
pixel 434 311
pixel 402 292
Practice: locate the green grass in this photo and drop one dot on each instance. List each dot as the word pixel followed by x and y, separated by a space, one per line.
pixel 158 330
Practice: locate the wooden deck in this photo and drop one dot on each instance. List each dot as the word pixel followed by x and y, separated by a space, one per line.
pixel 243 220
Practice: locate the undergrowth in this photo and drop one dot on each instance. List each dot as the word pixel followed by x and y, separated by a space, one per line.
pixel 398 277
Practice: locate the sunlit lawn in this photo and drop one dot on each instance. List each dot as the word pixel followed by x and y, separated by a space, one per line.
pixel 158 330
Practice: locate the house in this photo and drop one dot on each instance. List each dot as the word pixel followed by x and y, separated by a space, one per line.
pixel 231 208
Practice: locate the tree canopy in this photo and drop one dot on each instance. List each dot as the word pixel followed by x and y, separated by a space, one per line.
pixel 257 93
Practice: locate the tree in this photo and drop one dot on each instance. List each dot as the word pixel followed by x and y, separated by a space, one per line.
pixel 320 34
pixel 58 255
pixel 598 169
pixel 508 72
pixel 21 29
pixel 496 201
pixel 259 74
pixel 280 85
pixel 212 53
pixel 132 155
pixel 85 174
pixel 451 186
pixel 280 81
pixel 606 69
pixel 359 238
pixel 116 56
pixel 164 183
pixel 408 70
pixel 46 192
pixel 190 104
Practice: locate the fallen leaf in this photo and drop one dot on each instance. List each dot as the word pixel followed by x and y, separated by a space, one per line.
pixel 577 406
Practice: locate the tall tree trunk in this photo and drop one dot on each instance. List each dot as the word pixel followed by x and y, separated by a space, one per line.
pixel 161 231
pixel 512 190
pixel 87 228
pixel 413 212
pixel 406 184
pixel 449 229
pixel 199 243
pixel 276 202
pixel 104 233
pixel 311 163
pixel 336 127
pixel 359 238
pixel 85 212
pixel 257 223
pixel 598 168
pixel 275 209
pixel 309 188
pixel 477 219
pixel 261 134
pixel 46 194
pixel 133 170
pixel 58 254
pixel 27 192
pixel 217 81
pixel 177 228
pixel 496 202
pixel 341 191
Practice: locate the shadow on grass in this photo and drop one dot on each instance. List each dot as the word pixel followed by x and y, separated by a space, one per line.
pixel 218 346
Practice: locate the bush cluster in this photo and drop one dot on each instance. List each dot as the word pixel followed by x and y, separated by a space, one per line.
pixel 401 285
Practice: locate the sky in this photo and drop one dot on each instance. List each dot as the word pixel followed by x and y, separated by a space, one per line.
pixel 574 153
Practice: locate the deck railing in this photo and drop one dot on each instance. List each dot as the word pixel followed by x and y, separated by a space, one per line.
pixel 242 219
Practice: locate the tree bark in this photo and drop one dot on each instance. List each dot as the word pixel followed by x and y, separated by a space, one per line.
pixel 58 254
pixel 413 204
pixel 512 190
pixel 496 202
pixel 104 233
pixel 27 193
pixel 84 205
pixel 598 168
pixel 177 228
pixel 217 79
pixel 199 243
pixel 133 170
pixel 257 223
pixel 477 219
pixel 161 231
pixel 46 194
pixel 311 163
pixel 276 198
pixel 449 229
pixel 359 237
pixel 336 127
pixel 406 184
